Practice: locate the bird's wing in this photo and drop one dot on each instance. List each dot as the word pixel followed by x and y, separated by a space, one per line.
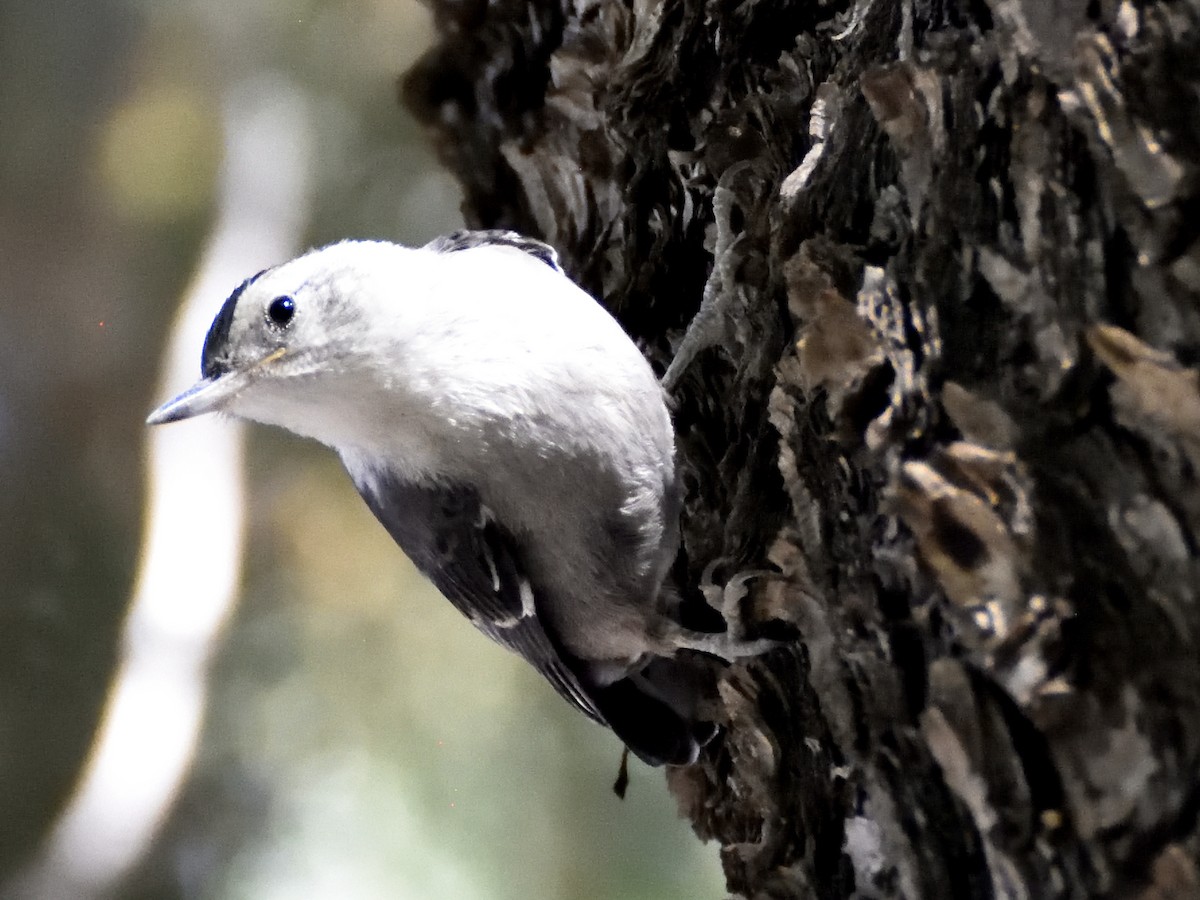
pixel 458 545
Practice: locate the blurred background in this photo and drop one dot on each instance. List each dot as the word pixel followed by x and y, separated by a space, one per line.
pixel 216 688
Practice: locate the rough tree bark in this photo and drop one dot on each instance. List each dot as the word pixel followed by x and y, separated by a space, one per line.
pixel 948 254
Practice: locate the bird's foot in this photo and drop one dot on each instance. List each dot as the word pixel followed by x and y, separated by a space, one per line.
pixel 733 643
pixel 728 598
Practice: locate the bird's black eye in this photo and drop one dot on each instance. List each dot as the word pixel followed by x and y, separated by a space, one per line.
pixel 281 310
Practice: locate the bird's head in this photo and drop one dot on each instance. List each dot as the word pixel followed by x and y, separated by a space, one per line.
pixel 286 335
pixel 421 353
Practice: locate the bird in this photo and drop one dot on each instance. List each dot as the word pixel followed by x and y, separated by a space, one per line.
pixel 510 437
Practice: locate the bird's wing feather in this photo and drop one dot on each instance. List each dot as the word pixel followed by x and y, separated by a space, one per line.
pixel 458 545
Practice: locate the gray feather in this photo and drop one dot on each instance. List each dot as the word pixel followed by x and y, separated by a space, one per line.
pixel 457 544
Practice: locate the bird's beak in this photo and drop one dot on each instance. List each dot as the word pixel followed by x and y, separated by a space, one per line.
pixel 205 396
pixel 210 394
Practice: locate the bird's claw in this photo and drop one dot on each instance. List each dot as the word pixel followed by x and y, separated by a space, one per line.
pixel 731 644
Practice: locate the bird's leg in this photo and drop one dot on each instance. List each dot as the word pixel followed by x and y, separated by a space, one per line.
pixel 720 645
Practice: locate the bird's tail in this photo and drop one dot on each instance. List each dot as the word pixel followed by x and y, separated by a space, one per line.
pixel 663 712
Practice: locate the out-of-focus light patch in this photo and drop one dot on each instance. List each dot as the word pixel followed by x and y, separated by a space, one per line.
pixel 350 577
pixel 333 537
pixel 424 205
pixel 191 554
pixel 159 153
pixel 190 566
pixel 349 830
pixel 406 28
pixel 364 40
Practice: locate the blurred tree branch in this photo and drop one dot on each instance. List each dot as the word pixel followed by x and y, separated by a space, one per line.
pixel 190 561
pixel 950 257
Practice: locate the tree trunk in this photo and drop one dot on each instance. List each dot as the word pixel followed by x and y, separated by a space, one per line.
pixel 944 265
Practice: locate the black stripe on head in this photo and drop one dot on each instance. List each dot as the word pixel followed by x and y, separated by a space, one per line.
pixel 466 239
pixel 214 359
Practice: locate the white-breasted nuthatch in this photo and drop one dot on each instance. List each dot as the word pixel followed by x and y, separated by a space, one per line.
pixel 508 435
